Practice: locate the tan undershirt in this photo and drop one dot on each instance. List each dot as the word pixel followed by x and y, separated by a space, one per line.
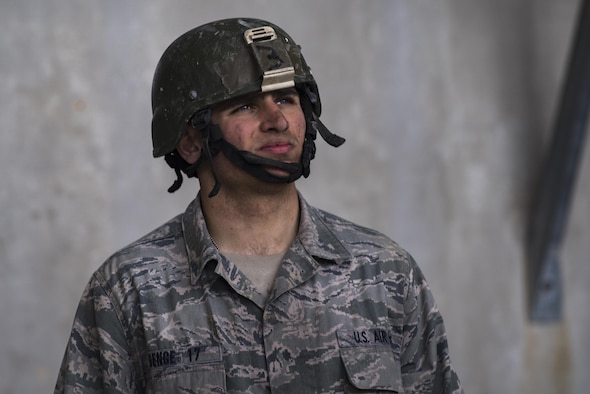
pixel 261 270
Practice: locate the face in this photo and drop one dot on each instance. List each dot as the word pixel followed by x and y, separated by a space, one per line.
pixel 271 125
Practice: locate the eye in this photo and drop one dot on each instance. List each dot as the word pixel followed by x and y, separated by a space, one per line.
pixel 287 99
pixel 284 100
pixel 240 108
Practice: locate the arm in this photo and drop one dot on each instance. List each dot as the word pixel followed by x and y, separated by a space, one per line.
pixel 97 357
pixel 426 365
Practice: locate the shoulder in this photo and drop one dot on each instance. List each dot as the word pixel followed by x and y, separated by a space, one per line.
pixel 348 229
pixel 361 241
pixel 146 257
pixel 355 235
pixel 374 258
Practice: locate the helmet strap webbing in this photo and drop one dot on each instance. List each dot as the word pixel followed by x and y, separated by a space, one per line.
pixel 249 162
pixel 314 124
pixel 213 143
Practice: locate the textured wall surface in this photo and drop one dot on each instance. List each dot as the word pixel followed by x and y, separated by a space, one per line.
pixel 447 107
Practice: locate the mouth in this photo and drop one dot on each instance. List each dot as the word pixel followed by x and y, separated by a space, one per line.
pixel 277 148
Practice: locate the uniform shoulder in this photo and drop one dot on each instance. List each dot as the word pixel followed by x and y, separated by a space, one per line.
pixel 358 238
pixel 354 231
pixel 160 236
pixel 150 253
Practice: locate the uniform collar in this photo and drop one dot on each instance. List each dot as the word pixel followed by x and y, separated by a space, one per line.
pixel 315 235
pixel 199 246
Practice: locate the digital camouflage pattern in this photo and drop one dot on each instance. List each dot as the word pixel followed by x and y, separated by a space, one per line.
pixel 350 312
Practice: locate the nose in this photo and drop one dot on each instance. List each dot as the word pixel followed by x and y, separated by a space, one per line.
pixel 273 118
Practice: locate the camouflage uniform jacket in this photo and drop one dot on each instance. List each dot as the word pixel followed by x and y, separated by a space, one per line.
pixel 350 311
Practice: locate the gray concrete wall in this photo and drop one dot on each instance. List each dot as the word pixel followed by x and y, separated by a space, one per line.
pixel 447 107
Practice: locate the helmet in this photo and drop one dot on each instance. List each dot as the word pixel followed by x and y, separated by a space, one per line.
pixel 219 61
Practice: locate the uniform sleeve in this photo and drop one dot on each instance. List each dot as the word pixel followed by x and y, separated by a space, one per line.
pixel 97 357
pixel 426 365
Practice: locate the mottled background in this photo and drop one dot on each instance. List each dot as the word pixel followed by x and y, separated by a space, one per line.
pixel 447 107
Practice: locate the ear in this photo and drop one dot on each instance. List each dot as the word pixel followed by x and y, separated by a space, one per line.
pixel 190 145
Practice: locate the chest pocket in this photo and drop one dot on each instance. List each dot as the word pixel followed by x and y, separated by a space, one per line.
pixel 193 370
pixel 371 359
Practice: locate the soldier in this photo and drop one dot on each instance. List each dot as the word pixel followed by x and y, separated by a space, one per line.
pixel 251 289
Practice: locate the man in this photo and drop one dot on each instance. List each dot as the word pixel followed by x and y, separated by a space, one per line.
pixel 251 289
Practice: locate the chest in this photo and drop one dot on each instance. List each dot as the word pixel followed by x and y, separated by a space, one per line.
pixel 317 334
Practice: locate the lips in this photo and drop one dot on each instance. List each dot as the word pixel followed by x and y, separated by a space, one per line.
pixel 277 147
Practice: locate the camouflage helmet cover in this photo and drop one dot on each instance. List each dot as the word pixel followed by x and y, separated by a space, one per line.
pixel 218 61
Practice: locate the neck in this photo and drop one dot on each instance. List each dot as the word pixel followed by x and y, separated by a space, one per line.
pixel 261 223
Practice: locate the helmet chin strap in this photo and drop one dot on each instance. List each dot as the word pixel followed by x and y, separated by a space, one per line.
pixel 254 165
pixel 213 143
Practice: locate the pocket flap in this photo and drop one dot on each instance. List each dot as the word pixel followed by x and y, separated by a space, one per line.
pixel 371 359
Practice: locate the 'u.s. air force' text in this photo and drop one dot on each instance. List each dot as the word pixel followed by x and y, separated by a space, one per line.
pixel 368 337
